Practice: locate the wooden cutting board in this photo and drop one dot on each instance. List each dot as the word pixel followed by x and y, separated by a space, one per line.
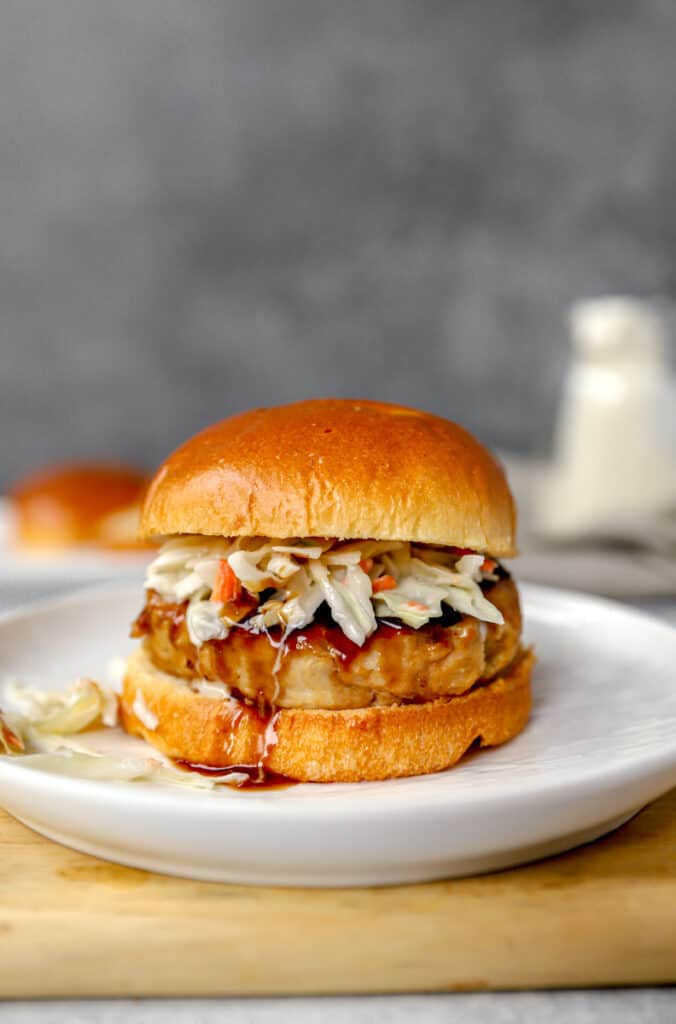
pixel 72 925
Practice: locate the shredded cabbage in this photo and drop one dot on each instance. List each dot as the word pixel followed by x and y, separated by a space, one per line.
pixel 470 565
pixel 349 599
pixel 204 622
pixel 41 735
pixel 302 573
pixel 66 711
pixel 244 564
pixel 103 768
pixel 305 598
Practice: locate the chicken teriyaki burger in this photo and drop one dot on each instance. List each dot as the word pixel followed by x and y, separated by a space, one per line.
pixel 329 602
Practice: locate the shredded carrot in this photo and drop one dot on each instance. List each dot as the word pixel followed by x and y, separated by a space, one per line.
pixel 226 586
pixel 417 606
pixel 488 565
pixel 366 564
pixel 10 739
pixel 385 582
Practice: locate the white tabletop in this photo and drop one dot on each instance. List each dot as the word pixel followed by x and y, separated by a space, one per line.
pixel 625 1006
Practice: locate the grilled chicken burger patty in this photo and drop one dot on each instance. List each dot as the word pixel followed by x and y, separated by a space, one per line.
pixel 321 668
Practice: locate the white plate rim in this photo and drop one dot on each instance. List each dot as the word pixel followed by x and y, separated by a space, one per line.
pixel 342 803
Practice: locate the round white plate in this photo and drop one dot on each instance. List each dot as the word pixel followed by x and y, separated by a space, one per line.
pixel 601 743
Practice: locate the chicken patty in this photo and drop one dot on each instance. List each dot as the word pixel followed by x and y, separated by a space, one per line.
pixel 321 668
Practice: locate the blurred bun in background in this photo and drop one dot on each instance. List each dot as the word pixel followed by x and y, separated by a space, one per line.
pixel 78 503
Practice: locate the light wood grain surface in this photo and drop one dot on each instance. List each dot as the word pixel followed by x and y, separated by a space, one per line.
pixel 72 925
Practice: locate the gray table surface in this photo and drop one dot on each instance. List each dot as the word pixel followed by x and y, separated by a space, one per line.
pixel 612 1006
pixel 616 1006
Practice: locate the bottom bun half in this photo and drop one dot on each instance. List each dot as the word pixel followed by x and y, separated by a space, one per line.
pixel 315 745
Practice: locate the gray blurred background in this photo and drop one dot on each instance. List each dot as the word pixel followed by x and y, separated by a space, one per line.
pixel 211 205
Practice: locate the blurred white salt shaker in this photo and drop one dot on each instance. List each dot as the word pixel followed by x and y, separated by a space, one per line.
pixel 614 467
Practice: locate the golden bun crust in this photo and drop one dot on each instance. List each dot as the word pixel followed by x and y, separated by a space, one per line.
pixel 326 746
pixel 78 503
pixel 335 468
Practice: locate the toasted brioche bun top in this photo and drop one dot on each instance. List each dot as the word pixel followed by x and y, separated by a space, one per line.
pixel 335 468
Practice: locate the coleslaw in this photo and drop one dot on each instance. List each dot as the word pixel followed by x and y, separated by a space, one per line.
pixel 360 581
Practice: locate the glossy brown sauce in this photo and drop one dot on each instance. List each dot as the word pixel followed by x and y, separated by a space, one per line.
pixel 321 635
pixel 173 614
pixel 257 778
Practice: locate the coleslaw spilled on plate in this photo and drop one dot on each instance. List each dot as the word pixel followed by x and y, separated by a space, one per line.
pixel 57 731
pixel 255 583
